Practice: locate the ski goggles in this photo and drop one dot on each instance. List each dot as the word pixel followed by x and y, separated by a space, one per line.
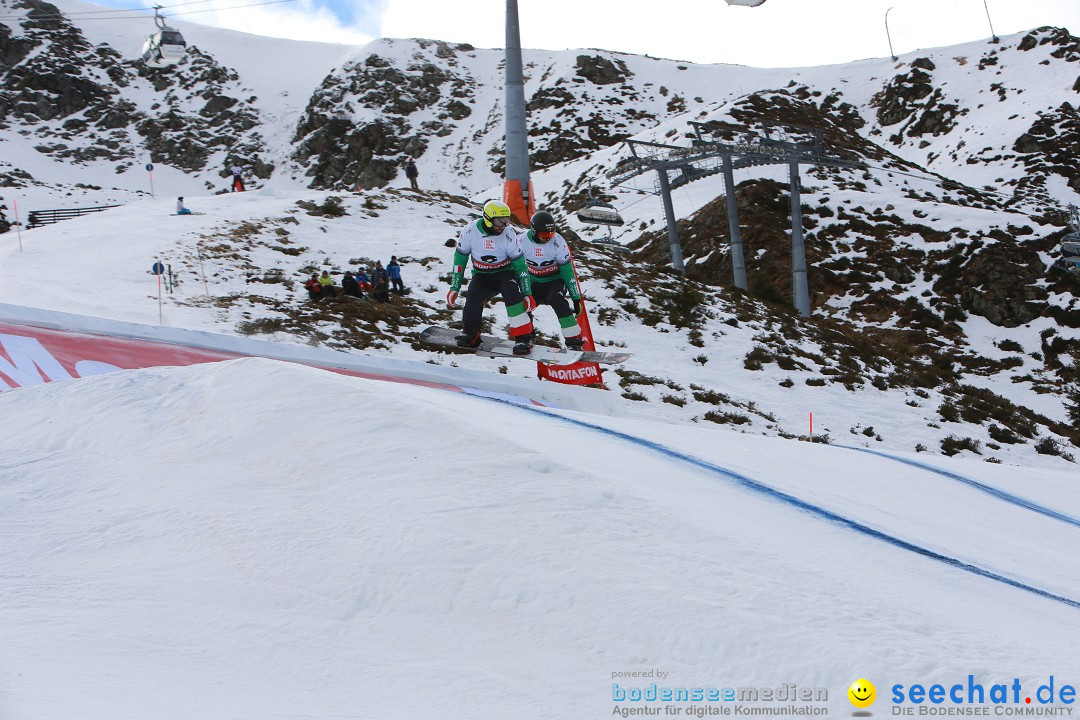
pixel 499 222
pixel 545 236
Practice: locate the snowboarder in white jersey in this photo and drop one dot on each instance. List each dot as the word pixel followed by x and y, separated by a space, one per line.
pixel 548 258
pixel 498 269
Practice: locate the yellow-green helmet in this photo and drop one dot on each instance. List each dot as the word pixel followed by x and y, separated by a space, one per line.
pixel 496 209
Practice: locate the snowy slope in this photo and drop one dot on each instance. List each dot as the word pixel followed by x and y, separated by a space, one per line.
pixel 214 547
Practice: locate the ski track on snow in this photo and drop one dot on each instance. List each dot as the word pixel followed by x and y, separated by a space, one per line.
pixel 820 512
pixel 1000 494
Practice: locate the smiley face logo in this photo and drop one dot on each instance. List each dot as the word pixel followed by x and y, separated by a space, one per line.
pixel 862 693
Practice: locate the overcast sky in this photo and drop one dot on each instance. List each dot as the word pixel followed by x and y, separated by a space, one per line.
pixel 780 33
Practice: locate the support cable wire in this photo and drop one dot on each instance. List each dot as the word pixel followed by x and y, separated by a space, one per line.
pixel 82 15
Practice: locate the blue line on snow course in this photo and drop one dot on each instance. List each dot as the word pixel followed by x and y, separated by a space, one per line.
pixel 801 504
pixel 1001 494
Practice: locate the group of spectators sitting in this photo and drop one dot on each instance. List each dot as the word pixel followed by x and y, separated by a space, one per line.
pixel 379 284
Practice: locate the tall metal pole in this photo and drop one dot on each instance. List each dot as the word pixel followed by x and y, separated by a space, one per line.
pixel 516 187
pixel 800 289
pixel 993 35
pixel 738 264
pixel 18 225
pixel 888 35
pixel 669 213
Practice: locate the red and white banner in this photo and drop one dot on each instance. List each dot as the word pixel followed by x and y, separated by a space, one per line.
pixel 579 373
pixel 32 356
pixel 39 346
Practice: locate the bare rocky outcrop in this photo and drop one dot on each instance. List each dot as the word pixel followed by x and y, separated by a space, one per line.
pixel 73 96
pixel 601 70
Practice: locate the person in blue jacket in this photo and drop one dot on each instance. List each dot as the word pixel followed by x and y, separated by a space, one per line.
pixel 393 269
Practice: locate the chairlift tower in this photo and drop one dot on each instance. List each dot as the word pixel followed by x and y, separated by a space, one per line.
pixel 710 155
pixel 517 186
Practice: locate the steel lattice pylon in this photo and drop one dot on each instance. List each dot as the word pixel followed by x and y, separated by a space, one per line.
pixel 709 155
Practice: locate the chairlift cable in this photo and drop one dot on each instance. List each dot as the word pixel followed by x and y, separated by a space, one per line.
pixel 101 12
pixel 233 7
pixel 82 15
pixel 689 200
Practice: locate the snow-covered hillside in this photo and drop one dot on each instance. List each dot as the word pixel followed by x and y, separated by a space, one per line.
pixel 241 267
pixel 333 115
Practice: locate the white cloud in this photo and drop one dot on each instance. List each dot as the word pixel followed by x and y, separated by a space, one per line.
pixel 780 33
pixel 304 20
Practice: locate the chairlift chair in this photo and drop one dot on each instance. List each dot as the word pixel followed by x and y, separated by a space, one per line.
pixel 612 243
pixel 164 48
pixel 1070 253
pixel 597 212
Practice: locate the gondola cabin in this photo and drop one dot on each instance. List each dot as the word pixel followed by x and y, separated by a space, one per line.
pixel 164 48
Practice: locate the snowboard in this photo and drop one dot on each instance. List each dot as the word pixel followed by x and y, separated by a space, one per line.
pixel 491 346
pixel 190 213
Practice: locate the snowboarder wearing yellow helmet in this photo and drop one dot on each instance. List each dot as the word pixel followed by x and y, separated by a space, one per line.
pixel 498 269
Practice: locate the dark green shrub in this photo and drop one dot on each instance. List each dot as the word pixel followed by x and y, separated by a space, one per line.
pixel 1051 446
pixel 727 418
pixel 949 412
pixel 953 444
pixel 1010 346
pixel 332 207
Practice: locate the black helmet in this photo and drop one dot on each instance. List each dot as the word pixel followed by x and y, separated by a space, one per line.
pixel 543 226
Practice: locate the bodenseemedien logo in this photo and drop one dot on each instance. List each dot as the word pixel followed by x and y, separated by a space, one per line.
pixel 862 695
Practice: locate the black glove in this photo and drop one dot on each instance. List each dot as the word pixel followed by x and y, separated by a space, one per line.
pixel 577 306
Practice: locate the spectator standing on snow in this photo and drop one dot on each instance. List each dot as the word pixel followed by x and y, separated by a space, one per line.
pixel 412 173
pixel 393 271
pixel 238 178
